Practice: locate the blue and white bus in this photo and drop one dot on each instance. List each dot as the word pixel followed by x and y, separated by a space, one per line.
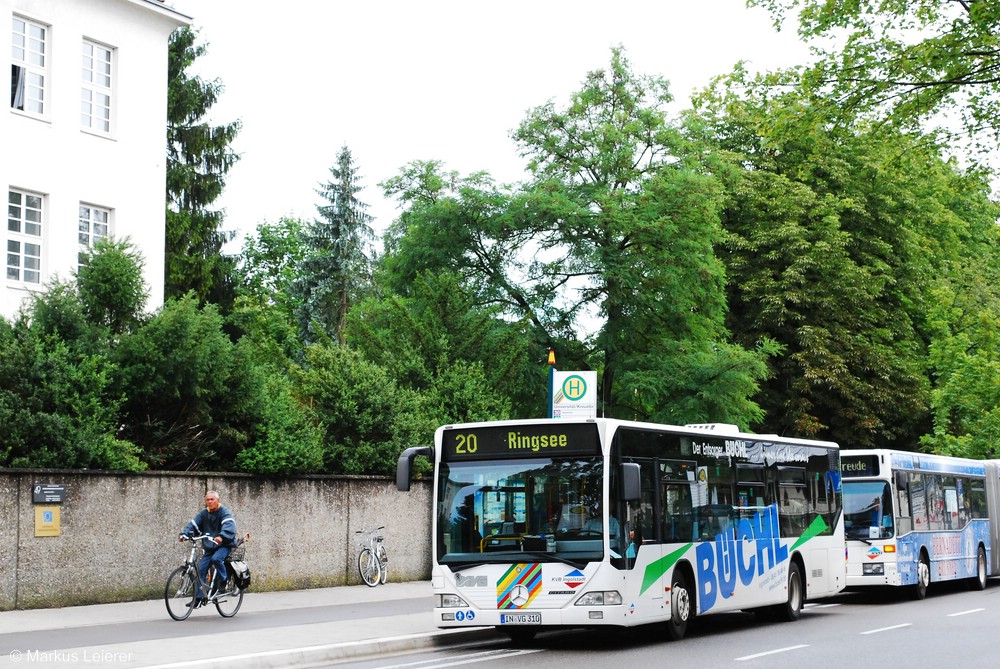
pixel 912 519
pixel 555 523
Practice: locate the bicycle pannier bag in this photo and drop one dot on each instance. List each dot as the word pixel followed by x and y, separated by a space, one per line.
pixel 240 572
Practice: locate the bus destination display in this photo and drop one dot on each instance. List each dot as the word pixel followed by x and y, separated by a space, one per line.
pixel 859 465
pixel 496 441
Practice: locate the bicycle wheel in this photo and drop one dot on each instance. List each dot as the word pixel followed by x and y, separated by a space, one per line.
pixel 383 563
pixel 229 601
pixel 368 567
pixel 179 592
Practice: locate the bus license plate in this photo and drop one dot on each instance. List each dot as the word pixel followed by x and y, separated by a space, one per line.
pixel 520 618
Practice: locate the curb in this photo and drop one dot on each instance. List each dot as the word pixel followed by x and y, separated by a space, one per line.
pixel 310 656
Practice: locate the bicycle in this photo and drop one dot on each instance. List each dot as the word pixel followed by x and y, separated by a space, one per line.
pixel 373 559
pixel 179 594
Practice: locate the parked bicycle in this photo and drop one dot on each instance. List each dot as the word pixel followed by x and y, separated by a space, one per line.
pixel 180 591
pixel 373 559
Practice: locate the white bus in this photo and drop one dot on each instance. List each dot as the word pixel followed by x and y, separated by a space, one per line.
pixel 570 523
pixel 912 519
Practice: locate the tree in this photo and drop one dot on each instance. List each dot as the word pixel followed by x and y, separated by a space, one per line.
pixel 836 236
pixel 271 260
pixel 178 373
pixel 335 267
pixel 283 438
pixel 421 338
pixel 614 233
pixel 111 287
pixel 58 405
pixel 198 159
pixel 904 61
pixel 358 404
pixel 965 363
pixel 267 303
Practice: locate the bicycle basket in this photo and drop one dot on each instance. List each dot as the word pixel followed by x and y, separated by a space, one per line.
pixel 237 553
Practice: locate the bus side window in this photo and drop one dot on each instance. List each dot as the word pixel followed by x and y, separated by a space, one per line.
pixel 677 520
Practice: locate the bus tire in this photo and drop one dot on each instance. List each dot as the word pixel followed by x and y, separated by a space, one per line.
pixel 923 577
pixel 680 606
pixel 978 582
pixel 791 610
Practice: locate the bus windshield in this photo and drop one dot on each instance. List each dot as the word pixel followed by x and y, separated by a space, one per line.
pixel 495 510
pixel 867 510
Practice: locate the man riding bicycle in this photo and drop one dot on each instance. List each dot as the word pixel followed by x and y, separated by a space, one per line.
pixel 216 521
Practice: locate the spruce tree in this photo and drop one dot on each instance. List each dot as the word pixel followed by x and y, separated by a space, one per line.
pixel 336 266
pixel 198 159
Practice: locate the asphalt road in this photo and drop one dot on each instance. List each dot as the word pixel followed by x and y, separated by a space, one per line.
pixel 392 626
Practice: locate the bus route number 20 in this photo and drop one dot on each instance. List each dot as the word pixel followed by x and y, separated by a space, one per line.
pixel 466 444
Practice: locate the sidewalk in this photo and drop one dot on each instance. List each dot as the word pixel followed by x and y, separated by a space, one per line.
pixel 285 636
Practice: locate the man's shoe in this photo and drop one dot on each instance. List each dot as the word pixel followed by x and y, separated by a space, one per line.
pixel 195 604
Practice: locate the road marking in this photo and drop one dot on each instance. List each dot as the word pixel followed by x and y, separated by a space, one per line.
pixel 771 652
pixel 822 606
pixel 886 629
pixel 963 613
pixel 468 658
pixel 324 653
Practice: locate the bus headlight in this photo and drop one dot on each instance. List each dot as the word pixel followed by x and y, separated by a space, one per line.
pixel 600 598
pixel 873 569
pixel 451 602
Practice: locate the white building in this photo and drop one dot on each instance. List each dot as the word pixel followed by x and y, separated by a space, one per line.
pixel 84 137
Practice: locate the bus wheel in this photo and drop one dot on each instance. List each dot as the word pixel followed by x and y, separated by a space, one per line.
pixel 680 606
pixel 979 581
pixel 923 577
pixel 792 609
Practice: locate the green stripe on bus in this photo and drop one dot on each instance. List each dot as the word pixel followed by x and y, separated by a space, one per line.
pixel 655 570
pixel 816 527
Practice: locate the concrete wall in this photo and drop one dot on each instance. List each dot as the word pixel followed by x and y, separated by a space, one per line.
pixel 118 539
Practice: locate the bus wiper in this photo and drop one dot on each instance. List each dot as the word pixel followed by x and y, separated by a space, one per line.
pixel 556 558
pixel 462 566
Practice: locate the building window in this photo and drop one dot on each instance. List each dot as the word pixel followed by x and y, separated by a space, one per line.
pixel 95 94
pixel 24 237
pixel 93 226
pixel 28 63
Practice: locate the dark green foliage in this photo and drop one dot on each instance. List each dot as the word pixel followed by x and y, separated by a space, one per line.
pixel 57 406
pixel 284 439
pixel 837 237
pixel 176 369
pixel 357 403
pixel 198 159
pixel 369 419
pixel 418 339
pixel 111 287
pixel 60 315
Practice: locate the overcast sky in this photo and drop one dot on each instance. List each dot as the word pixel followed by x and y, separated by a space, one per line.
pixel 399 81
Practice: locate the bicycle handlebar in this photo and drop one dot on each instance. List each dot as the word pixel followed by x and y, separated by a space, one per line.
pixel 370 531
pixel 185 537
